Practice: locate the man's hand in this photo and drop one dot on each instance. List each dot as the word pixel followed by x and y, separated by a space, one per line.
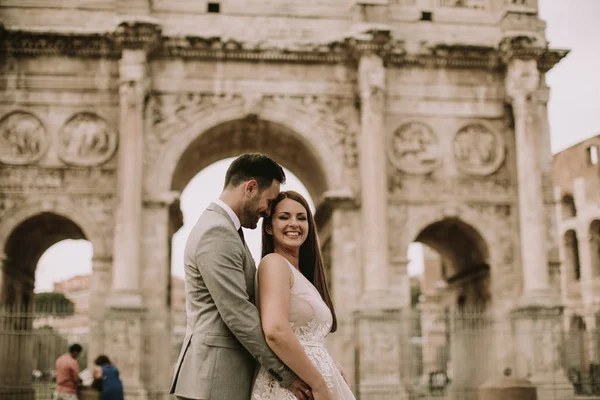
pixel 301 390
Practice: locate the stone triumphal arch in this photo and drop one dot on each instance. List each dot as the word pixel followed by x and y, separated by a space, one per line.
pixel 402 129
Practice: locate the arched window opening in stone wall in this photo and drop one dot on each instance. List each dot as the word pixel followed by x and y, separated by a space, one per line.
pixel 568 206
pixel 594 237
pixel 41 251
pixel 573 266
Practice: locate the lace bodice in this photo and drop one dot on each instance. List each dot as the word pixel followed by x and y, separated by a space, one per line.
pixel 310 318
pixel 311 321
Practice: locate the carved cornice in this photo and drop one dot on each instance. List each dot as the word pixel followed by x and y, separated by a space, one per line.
pixel 445 56
pixel 147 35
pixel 550 58
pixel 214 48
pixel 528 48
pixel 24 43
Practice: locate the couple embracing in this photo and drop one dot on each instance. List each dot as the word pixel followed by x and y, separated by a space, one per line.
pixel 257 336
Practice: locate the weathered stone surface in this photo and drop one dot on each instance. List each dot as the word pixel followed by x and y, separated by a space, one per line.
pixel 400 134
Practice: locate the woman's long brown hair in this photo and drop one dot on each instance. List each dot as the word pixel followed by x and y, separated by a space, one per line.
pixel 311 259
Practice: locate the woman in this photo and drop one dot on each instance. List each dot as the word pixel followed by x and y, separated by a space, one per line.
pixel 295 305
pixel 112 388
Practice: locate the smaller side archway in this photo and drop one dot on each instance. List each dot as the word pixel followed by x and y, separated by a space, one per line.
pixel 464 261
pixel 23 249
pixel 25 237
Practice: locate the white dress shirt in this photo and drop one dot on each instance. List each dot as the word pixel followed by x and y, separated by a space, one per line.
pixel 229 211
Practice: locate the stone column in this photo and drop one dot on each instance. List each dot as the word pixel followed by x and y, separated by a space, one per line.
pixel 521 84
pixel 380 323
pixel 373 176
pixel 135 39
pixel 124 321
pixel 161 219
pixel 99 287
pixel 537 318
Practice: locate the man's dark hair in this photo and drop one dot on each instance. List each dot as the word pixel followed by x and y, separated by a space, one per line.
pixel 254 166
pixel 75 348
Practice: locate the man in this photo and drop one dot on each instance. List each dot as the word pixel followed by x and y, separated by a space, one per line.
pixel 224 334
pixel 67 374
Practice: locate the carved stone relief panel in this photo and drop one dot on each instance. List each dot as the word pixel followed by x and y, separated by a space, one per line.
pixel 414 148
pixel 336 116
pixel 478 150
pixel 86 140
pixel 171 113
pixel 23 138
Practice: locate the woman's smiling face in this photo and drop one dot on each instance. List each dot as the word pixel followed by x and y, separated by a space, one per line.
pixel 289 224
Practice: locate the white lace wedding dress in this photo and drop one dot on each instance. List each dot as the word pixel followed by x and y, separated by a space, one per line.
pixel 311 321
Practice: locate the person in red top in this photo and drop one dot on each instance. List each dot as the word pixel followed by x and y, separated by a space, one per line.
pixel 67 374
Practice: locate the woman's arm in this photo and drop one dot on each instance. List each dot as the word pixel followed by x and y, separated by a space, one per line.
pixel 275 281
pixel 97 372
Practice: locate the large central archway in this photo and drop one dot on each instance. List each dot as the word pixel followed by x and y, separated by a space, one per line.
pixel 293 150
pixel 252 134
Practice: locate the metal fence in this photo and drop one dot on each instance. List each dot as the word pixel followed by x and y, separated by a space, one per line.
pixel 434 354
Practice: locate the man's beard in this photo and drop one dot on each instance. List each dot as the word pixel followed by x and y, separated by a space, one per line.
pixel 250 216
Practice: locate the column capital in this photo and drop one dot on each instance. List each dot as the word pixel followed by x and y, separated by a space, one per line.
pixel 371 82
pixel 520 47
pixel 522 79
pixel 375 40
pixel 138 34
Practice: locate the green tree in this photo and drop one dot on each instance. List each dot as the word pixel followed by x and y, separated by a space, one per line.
pixel 53 302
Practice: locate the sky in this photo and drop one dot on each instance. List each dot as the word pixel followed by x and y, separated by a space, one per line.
pixel 573 109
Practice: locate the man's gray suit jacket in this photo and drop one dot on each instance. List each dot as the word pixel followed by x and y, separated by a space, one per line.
pixel 224 337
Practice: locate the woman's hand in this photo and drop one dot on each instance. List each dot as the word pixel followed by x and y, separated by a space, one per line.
pixel 339 367
pixel 322 392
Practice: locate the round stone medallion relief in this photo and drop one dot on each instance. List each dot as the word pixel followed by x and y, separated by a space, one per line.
pixel 478 150
pixel 414 148
pixel 23 138
pixel 86 139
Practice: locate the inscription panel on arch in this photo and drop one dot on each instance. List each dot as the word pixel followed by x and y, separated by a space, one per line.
pixel 30 179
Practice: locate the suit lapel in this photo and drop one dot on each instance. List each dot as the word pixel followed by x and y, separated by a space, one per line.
pixel 249 265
